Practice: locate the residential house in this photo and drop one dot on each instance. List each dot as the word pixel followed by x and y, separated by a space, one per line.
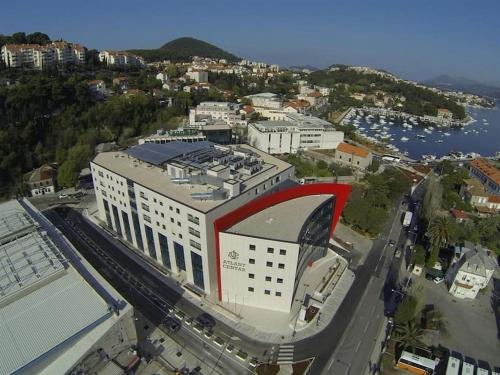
pixel 198 76
pixel 471 270
pixel 120 58
pixel 353 156
pixel 122 83
pixel 444 114
pixel 459 215
pixel 97 86
pixel 42 180
pixel 487 173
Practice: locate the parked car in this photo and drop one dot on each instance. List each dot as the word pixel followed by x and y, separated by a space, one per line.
pixel 438 280
pixel 392 243
pixel 63 196
pixel 206 320
pixel 172 324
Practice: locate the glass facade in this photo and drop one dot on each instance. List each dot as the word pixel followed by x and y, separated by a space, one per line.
pixel 108 214
pixel 314 237
pixel 151 241
pixel 117 220
pixel 165 256
pixel 197 265
pixel 126 224
pixel 135 217
pixel 179 256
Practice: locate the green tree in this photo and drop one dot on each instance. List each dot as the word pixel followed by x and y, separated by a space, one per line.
pixel 406 310
pixel 409 334
pixel 440 231
pixel 418 255
pixel 374 166
pixel 67 173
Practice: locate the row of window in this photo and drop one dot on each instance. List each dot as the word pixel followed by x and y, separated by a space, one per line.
pixel 268 264
pixel 270 250
pixel 268 278
pixel 266 291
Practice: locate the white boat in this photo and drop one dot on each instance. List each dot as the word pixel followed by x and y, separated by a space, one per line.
pixel 374 126
pixel 439 141
pixel 404 139
pixel 420 136
pixel 428 131
pixel 447 134
pixel 430 127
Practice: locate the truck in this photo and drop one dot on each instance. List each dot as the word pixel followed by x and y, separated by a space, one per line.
pixel 407 218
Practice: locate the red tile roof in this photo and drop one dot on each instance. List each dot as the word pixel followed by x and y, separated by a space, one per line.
pixel 487 169
pixel 353 150
pixel 458 214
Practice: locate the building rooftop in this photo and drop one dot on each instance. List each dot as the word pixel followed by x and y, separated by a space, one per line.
pixel 476 260
pixel 281 222
pixel 352 150
pixel 149 166
pixel 475 187
pixel 487 169
pixel 44 302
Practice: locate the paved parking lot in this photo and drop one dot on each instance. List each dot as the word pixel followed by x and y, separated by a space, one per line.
pixel 471 327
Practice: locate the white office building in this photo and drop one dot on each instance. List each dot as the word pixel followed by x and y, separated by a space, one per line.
pixel 208 112
pixel 55 310
pixel 42 56
pixel 266 100
pixel 291 132
pixel 120 58
pixel 185 206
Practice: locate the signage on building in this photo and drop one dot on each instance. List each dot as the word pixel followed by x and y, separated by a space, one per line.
pixel 233 264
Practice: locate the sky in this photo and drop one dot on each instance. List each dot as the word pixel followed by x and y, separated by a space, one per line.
pixel 416 40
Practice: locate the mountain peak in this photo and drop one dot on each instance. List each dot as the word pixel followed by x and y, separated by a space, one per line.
pixel 184 48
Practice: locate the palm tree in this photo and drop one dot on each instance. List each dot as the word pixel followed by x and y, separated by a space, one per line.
pixel 439 231
pixel 409 335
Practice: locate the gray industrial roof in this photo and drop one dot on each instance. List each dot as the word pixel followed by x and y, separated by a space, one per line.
pixel 43 302
pixel 281 222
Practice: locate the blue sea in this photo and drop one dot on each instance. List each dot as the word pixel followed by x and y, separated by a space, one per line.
pixel 481 137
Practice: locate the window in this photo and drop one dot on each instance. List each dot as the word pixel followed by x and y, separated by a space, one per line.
pixel 279 281
pixel 146 218
pixel 251 276
pixel 145 207
pixel 268 278
pixel 178 223
pixel 250 288
pixel 179 256
pixel 269 264
pixel 163 226
pixel 156 212
pixel 157 223
pixel 170 208
pixel 267 292
pixel 100 174
pixel 162 215
pixel 154 200
pixel 278 294
pixel 126 224
pixel 194 232
pixel 172 220
pixel 197 266
pixel 180 236
pixel 177 211
pixel 117 220
pixel 193 219
pixel 151 242
pixel 143 196
pixel 281 265
pixel 251 261
pixel 282 252
pixel 270 250
pixel 161 203
pixel 251 247
pixel 195 244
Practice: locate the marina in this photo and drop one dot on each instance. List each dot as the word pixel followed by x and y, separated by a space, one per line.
pixel 410 136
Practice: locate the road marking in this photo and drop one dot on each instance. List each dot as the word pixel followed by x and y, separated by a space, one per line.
pixel 285 354
pixel 366 327
pixel 357 346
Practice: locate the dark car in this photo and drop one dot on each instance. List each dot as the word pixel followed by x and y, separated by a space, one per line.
pixel 172 324
pixel 206 320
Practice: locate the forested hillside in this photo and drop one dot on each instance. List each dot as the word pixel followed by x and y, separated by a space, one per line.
pixel 52 117
pixel 417 100
pixel 183 49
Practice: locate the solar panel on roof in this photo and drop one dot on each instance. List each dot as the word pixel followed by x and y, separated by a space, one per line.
pixel 155 153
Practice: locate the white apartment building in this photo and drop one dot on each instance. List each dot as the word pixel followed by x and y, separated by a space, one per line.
pixel 266 100
pixel 471 270
pixel 198 76
pixel 39 57
pixel 211 111
pixel 120 58
pixel 288 133
pixel 187 207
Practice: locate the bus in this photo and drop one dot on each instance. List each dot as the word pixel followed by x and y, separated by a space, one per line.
pixel 467 369
pixel 416 364
pixel 392 158
pixel 453 367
